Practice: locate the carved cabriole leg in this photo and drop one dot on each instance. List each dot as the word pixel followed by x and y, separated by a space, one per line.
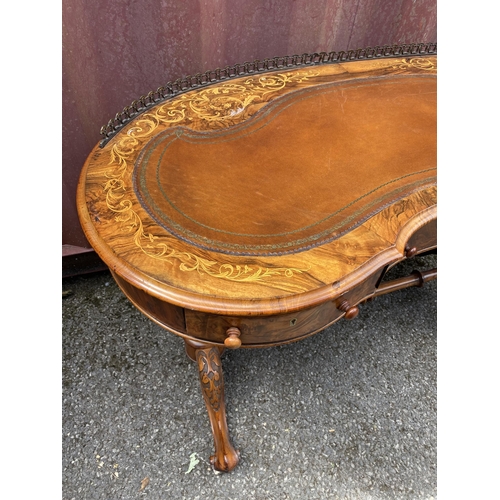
pixel 209 364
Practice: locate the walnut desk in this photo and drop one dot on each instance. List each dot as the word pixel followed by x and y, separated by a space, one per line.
pixel 259 204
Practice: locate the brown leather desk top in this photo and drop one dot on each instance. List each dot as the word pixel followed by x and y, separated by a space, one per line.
pixel 269 192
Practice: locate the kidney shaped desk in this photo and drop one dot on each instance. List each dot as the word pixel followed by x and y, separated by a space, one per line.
pixel 259 204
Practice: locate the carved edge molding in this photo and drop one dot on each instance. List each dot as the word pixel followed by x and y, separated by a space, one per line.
pixel 182 85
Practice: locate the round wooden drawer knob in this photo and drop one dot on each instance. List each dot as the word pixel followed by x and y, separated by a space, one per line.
pixel 232 341
pixel 350 311
pixel 410 251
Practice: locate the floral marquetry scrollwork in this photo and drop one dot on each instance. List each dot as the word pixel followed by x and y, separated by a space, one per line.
pixel 221 102
pixel 228 100
pixel 417 62
pixel 217 107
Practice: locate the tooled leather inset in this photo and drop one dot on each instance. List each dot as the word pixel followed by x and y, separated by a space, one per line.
pixel 268 181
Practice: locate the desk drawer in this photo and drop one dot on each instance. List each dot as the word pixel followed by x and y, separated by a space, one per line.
pixel 276 329
pixel 260 330
pixel 422 240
